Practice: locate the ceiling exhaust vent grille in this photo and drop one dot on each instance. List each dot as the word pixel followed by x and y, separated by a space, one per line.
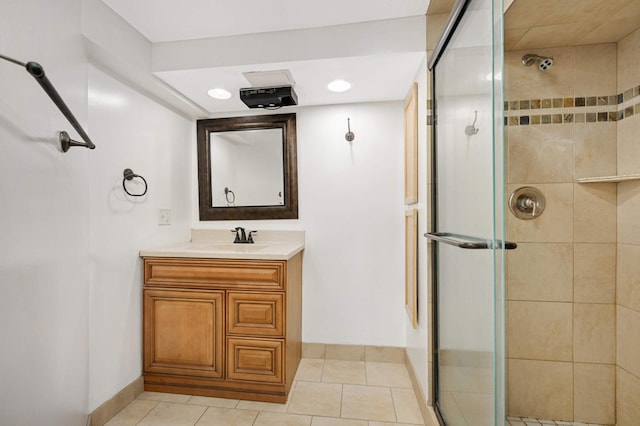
pixel 273 78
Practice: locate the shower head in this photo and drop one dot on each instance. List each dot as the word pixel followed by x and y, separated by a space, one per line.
pixel 543 62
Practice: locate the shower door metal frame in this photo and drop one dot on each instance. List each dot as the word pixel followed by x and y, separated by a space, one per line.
pixel 460 241
pixel 452 23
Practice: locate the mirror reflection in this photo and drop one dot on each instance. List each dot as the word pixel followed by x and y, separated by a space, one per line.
pixel 247 168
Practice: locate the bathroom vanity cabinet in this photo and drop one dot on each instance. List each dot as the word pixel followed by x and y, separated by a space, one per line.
pixel 222 327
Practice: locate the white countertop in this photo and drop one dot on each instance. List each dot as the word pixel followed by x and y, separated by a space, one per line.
pixel 218 244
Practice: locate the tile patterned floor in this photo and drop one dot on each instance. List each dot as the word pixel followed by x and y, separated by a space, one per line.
pixel 528 421
pixel 324 393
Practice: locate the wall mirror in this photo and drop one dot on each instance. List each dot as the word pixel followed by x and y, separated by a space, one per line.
pixel 247 167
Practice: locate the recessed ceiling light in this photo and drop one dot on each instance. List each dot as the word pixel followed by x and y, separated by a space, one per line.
pixel 339 86
pixel 219 93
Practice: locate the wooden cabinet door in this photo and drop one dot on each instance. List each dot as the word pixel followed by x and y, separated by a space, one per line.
pixel 184 332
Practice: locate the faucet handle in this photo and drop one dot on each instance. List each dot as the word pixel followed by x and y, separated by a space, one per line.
pixel 237 232
pixel 250 237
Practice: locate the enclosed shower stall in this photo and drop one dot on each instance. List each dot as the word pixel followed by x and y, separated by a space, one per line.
pixel 536 199
pixel 571 131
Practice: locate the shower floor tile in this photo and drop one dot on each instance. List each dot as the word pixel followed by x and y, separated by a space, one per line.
pixel 529 421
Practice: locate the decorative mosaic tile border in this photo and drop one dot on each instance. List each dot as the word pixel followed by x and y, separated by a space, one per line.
pixel 582 109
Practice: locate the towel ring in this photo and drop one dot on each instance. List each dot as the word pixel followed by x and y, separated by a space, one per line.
pixel 129 175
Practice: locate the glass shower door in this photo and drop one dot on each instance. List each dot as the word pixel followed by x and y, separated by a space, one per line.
pixel 468 217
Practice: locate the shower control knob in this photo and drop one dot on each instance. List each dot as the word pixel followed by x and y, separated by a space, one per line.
pixel 526 203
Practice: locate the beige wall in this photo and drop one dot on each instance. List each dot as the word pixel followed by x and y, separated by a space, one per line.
pixel 573 284
pixel 628 265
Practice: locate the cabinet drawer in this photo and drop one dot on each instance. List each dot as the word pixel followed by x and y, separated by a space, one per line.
pixel 259 314
pixel 183 332
pixel 254 360
pixel 227 273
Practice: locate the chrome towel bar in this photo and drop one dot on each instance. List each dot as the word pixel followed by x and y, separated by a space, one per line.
pixel 467 242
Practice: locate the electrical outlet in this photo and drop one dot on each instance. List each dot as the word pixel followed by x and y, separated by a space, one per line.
pixel 164 217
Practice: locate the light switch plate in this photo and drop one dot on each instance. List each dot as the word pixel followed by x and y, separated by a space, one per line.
pixel 164 217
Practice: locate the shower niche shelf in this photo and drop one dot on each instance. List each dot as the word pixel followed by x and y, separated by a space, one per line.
pixel 604 179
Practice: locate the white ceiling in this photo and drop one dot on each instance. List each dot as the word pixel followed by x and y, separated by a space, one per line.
pixel 390 81
pixel 381 75
pixel 170 20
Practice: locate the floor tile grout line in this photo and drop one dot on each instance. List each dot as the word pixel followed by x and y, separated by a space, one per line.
pixel 538 421
pixel 393 405
pixel 149 412
pixel 324 363
pixel 341 398
pixel 367 379
pixel 201 415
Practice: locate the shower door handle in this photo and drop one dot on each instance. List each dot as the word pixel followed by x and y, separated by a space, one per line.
pixel 467 242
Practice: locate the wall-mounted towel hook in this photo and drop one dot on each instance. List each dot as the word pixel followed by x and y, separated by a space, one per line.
pixel 471 130
pixel 129 175
pixel 349 136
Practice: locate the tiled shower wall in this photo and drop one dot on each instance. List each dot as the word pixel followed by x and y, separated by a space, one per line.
pixel 561 279
pixel 563 353
pixel 628 265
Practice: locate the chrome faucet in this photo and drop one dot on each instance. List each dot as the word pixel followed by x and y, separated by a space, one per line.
pixel 241 236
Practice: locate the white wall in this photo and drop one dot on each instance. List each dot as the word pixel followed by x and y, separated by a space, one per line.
pixel 134 132
pixel 351 207
pixel 418 343
pixel 70 276
pixel 44 231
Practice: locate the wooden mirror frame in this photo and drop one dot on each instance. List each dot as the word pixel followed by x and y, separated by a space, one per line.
pixel 286 122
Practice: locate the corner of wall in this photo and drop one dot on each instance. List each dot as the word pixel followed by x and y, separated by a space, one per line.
pixel 116 47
